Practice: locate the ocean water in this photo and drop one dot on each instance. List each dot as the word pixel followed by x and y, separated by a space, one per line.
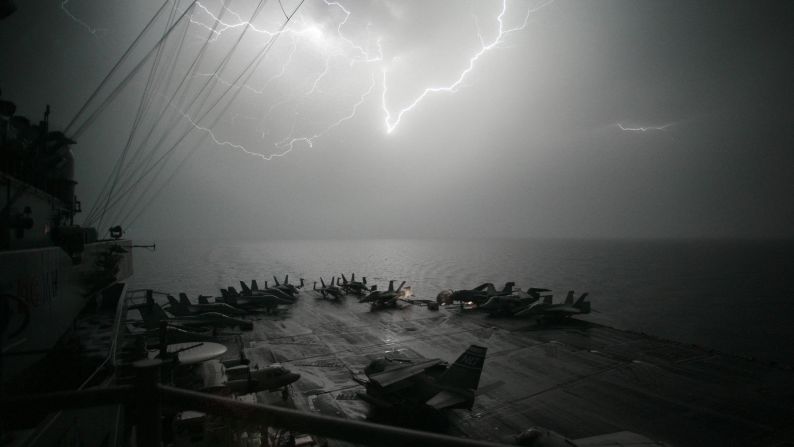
pixel 733 296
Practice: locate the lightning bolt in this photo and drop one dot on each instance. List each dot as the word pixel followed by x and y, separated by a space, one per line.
pixel 355 53
pixel 229 144
pixel 287 144
pixel 391 125
pixel 79 21
pixel 360 49
pixel 226 26
pixel 642 129
pixel 290 142
pixel 320 77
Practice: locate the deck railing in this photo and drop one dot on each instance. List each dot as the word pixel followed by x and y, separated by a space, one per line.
pixel 145 399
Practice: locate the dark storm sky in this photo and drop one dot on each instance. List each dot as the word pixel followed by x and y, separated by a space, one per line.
pixel 528 146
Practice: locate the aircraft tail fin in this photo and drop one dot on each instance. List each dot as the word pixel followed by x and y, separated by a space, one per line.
pixel 233 291
pixel 203 299
pixel 583 305
pixel 254 286
pixel 465 372
pixel 276 280
pixel 508 288
pixel 322 282
pixel 172 301
pixel 344 279
pixel 391 286
pixel 364 280
pixel 569 298
pixel 183 299
pixel 286 279
pixel 152 313
pixel 401 286
pixel 224 293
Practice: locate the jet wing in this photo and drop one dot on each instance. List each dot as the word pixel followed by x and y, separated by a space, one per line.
pixel 402 372
pixel 445 399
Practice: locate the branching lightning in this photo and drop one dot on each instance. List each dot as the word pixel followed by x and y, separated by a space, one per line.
pixel 289 143
pixel 340 44
pixel 642 129
pixel 391 125
pixel 223 143
pixel 77 20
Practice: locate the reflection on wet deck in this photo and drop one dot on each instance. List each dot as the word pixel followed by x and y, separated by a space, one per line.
pixel 578 379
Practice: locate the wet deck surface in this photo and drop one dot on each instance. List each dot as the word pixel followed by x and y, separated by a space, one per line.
pixel 578 379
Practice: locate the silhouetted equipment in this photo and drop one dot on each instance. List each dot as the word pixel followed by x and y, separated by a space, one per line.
pixel 479 294
pixel 353 286
pixel 286 287
pixel 184 307
pixel 331 289
pixel 381 299
pixel 546 310
pixel 514 303
pixel 254 300
pixel 116 232
pixel 254 290
pixel 244 380
pixel 153 315
pixel 410 384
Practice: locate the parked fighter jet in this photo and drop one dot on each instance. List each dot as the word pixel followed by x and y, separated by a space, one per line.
pixel 408 384
pixel 286 287
pixel 328 290
pixel 185 307
pixel 253 302
pixel 353 286
pixel 548 311
pixel 479 294
pixel 380 299
pixel 153 315
pixel 517 302
pixel 254 290
pixel 244 380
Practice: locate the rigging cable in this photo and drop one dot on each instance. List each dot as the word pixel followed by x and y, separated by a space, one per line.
pixel 125 184
pixel 115 67
pixel 142 107
pixel 202 91
pixel 123 83
pixel 129 76
pixel 257 61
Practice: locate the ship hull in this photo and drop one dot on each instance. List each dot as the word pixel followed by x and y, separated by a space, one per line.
pixel 43 292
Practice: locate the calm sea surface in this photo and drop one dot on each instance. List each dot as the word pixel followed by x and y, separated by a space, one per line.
pixel 733 296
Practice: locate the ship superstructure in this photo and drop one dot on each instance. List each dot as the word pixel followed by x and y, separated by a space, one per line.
pixel 50 268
